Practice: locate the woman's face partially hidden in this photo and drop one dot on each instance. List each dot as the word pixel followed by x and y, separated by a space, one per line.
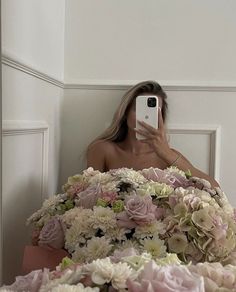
pixel 131 116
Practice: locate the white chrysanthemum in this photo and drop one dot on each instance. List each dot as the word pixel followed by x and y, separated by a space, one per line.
pixel 102 218
pixel 116 233
pixel 79 231
pixel 97 248
pixel 74 288
pixel 121 273
pixel 69 216
pixel 175 170
pixel 101 271
pixel 80 255
pixel 48 205
pixel 150 230
pixel 155 247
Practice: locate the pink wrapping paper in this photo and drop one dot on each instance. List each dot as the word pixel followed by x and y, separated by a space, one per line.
pixel 36 257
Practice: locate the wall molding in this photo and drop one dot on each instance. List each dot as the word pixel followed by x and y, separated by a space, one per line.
pixel 214 132
pixel 118 84
pixel 13 128
pixel 18 65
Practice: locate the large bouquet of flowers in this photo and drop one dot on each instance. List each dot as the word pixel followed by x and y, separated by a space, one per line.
pixel 149 230
pixel 155 211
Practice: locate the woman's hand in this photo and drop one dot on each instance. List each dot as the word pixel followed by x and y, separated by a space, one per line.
pixel 156 138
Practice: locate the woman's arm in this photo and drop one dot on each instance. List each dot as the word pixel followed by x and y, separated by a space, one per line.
pixel 96 156
pixel 175 158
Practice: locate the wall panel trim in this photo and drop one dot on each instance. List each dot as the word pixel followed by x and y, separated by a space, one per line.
pixel 100 84
pixel 21 127
pixel 214 132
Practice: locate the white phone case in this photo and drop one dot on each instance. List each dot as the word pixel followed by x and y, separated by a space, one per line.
pixel 145 113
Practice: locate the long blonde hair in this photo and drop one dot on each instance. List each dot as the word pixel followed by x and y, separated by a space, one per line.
pixel 118 129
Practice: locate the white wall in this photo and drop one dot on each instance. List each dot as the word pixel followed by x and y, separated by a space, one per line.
pixel 33 33
pixel 172 41
pixel 33 66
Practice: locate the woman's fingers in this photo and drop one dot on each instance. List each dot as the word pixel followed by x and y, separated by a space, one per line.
pixel 142 132
pixel 148 127
pixel 160 120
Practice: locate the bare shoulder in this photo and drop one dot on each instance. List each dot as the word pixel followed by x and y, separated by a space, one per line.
pixel 101 146
pixel 97 153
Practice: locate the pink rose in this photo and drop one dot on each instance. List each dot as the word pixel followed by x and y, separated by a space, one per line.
pixel 171 278
pixel 173 179
pixel 76 188
pixel 88 198
pixel 124 221
pixel 140 210
pixel 52 234
pixel 109 197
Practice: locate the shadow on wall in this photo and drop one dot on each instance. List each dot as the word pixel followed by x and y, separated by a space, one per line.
pixel 85 114
pixel 15 233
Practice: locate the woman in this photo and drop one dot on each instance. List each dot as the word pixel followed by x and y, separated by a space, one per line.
pixel 118 147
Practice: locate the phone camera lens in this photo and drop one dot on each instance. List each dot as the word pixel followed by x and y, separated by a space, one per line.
pixel 151 102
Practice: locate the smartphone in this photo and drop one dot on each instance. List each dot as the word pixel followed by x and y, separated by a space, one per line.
pixel 146 111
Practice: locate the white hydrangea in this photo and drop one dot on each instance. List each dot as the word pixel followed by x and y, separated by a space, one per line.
pixel 155 189
pixel 101 178
pixel 131 176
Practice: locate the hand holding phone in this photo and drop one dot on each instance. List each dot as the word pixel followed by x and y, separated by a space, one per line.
pixel 146 111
